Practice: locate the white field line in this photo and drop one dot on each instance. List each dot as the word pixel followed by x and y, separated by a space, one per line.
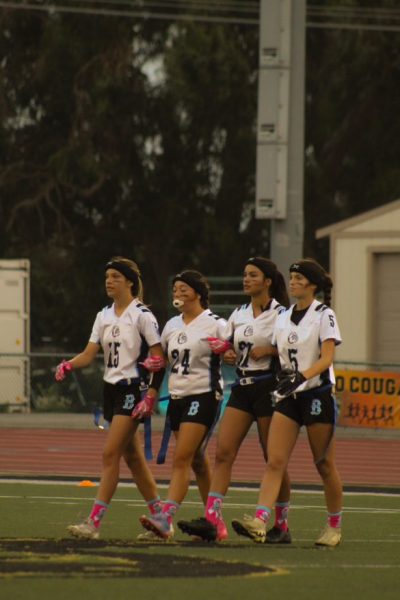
pixel 133 502
pixel 232 489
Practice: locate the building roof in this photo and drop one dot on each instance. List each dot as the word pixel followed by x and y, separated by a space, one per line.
pixel 361 218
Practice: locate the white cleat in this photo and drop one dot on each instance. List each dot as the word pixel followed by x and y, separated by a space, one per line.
pixel 330 536
pixel 253 528
pixel 84 531
pixel 151 537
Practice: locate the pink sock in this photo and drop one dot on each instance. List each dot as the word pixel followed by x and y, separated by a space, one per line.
pixel 263 513
pixel 281 515
pixel 155 506
pixel 214 508
pixel 97 513
pixel 335 520
pixel 169 508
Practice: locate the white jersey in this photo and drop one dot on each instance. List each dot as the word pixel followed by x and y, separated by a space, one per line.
pixel 299 346
pixel 246 332
pixel 194 368
pixel 124 339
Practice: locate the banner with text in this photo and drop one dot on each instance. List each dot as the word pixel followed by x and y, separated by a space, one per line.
pixel 368 399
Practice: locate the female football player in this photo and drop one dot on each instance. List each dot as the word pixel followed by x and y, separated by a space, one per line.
pixel 247 344
pixel 195 388
pixel 305 335
pixel 126 331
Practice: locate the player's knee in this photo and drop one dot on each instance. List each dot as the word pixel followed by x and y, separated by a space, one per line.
pixel 224 455
pixel 199 464
pixel 324 467
pixel 182 460
pixel 276 464
pixel 111 455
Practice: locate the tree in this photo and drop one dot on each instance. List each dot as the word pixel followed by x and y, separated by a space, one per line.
pixel 102 157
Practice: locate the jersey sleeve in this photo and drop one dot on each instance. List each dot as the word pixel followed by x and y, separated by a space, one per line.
pixel 222 329
pixel 148 326
pixel 165 336
pixel 329 329
pixel 279 323
pixel 95 336
pixel 229 328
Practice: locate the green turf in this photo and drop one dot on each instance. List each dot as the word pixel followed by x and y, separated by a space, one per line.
pixel 365 566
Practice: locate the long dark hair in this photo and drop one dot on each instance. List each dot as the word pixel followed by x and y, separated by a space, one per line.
pixel 277 288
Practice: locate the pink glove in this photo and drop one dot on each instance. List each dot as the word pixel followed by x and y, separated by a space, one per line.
pixel 144 408
pixel 218 346
pixel 62 370
pixel 153 363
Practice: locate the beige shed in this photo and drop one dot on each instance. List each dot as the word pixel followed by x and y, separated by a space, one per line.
pixel 365 266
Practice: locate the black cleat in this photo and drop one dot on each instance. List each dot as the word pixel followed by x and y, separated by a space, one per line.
pixel 200 528
pixel 278 536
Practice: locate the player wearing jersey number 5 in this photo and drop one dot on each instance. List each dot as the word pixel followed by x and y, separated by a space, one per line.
pixel 195 388
pixel 305 335
pixel 126 331
pixel 247 344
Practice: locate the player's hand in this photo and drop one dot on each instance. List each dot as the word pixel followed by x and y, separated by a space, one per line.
pixel 153 363
pixel 144 408
pixel 288 382
pixel 230 357
pixel 218 346
pixel 62 370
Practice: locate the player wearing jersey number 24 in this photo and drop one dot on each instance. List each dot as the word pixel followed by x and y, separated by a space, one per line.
pixel 126 331
pixel 247 345
pixel 195 388
pixel 305 335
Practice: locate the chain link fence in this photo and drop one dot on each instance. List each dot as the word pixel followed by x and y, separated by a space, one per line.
pixel 27 384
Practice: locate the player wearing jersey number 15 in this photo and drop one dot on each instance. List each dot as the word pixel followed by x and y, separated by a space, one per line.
pixel 305 336
pixel 195 388
pixel 120 330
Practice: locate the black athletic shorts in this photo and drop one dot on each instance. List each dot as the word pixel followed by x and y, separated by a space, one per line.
pixel 199 408
pixel 120 399
pixel 311 406
pixel 255 398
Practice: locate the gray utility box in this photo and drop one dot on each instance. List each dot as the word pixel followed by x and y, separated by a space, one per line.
pixel 14 335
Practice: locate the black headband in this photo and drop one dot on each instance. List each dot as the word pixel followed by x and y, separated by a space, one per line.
pixel 310 272
pixel 125 270
pixel 197 285
pixel 266 267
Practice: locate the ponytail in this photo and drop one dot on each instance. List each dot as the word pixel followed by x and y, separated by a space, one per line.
pixel 327 289
pixel 278 289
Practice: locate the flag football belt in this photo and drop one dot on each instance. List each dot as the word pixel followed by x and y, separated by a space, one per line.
pixel 311 393
pixel 129 381
pixel 251 379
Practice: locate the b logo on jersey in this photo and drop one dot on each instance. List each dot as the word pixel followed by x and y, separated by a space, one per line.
pixel 182 338
pixel 316 408
pixel 248 331
pixel 115 331
pixel 293 337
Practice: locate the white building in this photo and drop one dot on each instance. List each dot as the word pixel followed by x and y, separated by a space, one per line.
pixel 365 266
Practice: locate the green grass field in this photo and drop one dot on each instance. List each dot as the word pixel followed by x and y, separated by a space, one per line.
pixel 38 561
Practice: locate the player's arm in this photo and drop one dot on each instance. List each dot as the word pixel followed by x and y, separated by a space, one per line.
pixel 78 362
pixel 261 351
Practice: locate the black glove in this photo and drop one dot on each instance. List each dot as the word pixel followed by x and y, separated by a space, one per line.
pixel 288 381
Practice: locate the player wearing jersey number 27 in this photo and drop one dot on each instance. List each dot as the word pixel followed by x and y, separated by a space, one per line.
pixel 125 331
pixel 247 345
pixel 305 335
pixel 195 388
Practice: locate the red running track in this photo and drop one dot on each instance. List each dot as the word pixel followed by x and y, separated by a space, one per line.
pixel 77 453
